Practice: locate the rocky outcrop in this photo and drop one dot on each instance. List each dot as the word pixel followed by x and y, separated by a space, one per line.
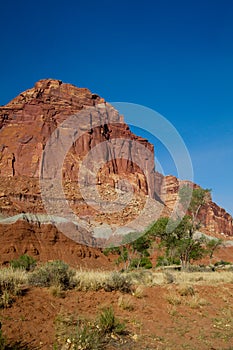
pixel 214 219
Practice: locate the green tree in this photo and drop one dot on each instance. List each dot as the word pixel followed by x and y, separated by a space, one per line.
pixel 134 251
pixel 199 197
pixel 179 243
pixel 211 246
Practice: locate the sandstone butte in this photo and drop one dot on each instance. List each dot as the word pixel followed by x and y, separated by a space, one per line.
pixel 26 125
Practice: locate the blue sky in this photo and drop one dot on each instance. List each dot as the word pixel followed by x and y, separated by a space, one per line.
pixel 175 57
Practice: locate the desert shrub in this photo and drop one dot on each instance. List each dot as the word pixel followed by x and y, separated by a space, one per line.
pixel 25 262
pixel 140 276
pixel 108 323
pixel 55 273
pixel 117 281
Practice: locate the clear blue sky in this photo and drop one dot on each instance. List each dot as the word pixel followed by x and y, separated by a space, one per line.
pixel 175 57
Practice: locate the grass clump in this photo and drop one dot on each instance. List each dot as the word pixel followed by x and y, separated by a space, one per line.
pixel 195 302
pixel 125 303
pixel 24 262
pixel 86 334
pixel 139 292
pixel 108 323
pixel 186 291
pixel 76 334
pixel 57 291
pixel 11 282
pixel 173 299
pixel 55 273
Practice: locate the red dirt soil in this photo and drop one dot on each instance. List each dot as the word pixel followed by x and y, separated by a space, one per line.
pixel 201 322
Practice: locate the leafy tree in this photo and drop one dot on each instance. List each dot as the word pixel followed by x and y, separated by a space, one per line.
pixel 212 245
pixel 133 252
pixel 122 252
pixel 178 243
pixel 199 198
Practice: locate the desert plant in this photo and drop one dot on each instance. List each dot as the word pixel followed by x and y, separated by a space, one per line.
pixel 6 299
pixel 11 282
pixel 108 323
pixel 195 302
pixel 77 334
pixel 138 292
pixel 57 291
pixel 83 334
pixel 117 281
pixel 2 341
pixel 168 277
pixel 125 303
pixel 173 299
pixel 186 291
pixel 25 262
pixel 90 280
pixel 53 274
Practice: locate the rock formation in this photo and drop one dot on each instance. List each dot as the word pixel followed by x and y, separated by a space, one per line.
pixel 46 133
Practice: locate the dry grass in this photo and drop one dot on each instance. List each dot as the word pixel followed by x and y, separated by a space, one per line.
pixel 125 303
pixel 186 291
pixel 11 282
pixel 196 302
pixel 57 291
pixel 203 278
pixel 96 280
pixel 90 279
pixel 153 278
pixel 173 298
pixel 139 292
pixel 185 295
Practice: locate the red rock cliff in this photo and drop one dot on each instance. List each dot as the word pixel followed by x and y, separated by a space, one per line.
pixel 27 123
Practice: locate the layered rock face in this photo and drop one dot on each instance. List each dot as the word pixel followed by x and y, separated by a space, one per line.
pixel 48 132
pixel 28 122
pixel 214 219
pixel 35 129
